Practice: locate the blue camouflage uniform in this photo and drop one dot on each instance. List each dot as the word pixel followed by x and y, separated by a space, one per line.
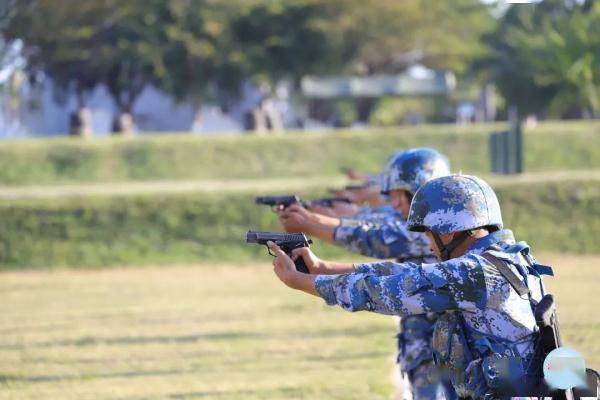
pixel 486 335
pixel 482 314
pixel 382 233
pixel 388 239
pixel 374 214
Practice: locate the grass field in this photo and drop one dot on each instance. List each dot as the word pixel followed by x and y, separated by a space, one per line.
pixel 215 332
pixel 187 228
pixel 548 147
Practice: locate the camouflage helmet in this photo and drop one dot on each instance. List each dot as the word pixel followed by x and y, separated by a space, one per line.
pixel 384 175
pixel 454 203
pixel 410 169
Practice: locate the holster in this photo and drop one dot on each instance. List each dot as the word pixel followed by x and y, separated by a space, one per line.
pixel 547 322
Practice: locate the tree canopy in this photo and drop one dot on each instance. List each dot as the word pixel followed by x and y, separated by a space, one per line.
pixel 542 57
pixel 546 58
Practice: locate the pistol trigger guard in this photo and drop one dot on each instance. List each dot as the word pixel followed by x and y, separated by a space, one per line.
pixel 269 249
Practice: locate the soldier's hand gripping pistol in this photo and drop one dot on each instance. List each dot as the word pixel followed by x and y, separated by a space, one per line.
pixel 286 241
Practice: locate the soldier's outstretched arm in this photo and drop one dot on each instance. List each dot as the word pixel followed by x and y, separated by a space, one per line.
pixel 413 289
pixel 316 266
pixel 380 240
pixel 452 285
pixel 383 268
pixel 299 219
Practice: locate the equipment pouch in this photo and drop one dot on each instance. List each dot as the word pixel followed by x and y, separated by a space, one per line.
pixel 504 374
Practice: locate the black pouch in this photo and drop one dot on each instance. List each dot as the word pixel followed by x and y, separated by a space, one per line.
pixel 504 374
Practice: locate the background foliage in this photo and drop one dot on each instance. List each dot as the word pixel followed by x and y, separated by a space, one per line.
pixel 543 57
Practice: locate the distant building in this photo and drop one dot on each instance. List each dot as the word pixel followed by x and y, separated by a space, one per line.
pixel 418 80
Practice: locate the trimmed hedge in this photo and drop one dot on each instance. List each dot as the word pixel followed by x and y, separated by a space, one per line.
pixel 167 229
pixel 551 146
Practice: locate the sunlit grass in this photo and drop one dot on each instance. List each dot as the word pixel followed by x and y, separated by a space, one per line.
pixel 215 332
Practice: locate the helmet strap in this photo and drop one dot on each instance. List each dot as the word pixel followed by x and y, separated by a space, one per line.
pixel 447 249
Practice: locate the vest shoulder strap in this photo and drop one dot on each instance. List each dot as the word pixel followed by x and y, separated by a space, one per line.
pixel 507 273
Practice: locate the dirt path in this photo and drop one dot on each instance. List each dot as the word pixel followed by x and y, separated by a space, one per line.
pixel 247 185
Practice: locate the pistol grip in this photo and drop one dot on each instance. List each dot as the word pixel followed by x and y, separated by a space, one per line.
pixel 301 266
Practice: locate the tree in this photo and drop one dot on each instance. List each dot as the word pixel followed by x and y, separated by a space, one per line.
pixel 546 58
pixel 388 36
pixel 287 40
pixel 57 46
pixel 119 44
pixel 200 59
pixel 283 40
pixel 129 45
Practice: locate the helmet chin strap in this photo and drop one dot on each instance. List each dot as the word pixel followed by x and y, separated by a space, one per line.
pixel 447 249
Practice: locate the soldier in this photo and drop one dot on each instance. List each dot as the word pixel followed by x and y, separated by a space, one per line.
pixel 377 203
pixel 384 235
pixel 486 286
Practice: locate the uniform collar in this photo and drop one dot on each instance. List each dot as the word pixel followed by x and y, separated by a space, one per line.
pixel 504 235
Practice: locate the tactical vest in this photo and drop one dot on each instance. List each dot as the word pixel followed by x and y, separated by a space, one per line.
pixel 481 365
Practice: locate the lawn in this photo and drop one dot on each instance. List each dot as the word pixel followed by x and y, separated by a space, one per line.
pixel 215 332
pixel 550 146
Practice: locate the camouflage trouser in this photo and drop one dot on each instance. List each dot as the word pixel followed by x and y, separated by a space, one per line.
pixel 422 383
pixel 415 356
pixel 419 384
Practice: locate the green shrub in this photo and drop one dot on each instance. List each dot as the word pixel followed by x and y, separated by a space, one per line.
pixel 167 229
pixel 551 146
pixel 392 111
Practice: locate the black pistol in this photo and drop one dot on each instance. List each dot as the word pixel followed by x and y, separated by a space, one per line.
pixel 287 242
pixel 357 187
pixel 276 201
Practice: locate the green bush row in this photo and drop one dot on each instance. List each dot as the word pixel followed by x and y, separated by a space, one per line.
pixel 550 146
pixel 190 228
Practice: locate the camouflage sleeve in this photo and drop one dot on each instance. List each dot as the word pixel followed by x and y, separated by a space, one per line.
pixel 452 285
pixel 383 268
pixel 364 213
pixel 375 214
pixel 390 239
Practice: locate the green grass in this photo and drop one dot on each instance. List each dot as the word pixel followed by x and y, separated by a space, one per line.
pixel 202 227
pixel 225 332
pixel 551 146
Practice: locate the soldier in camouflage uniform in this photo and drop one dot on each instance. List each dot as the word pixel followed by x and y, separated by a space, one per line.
pixel 486 288
pixel 378 232
pixel 385 235
pixel 375 214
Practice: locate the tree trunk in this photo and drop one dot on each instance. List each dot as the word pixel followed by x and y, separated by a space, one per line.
pixel 364 107
pixel 259 121
pixel 123 124
pixel 273 118
pixel 80 123
pixel 197 123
